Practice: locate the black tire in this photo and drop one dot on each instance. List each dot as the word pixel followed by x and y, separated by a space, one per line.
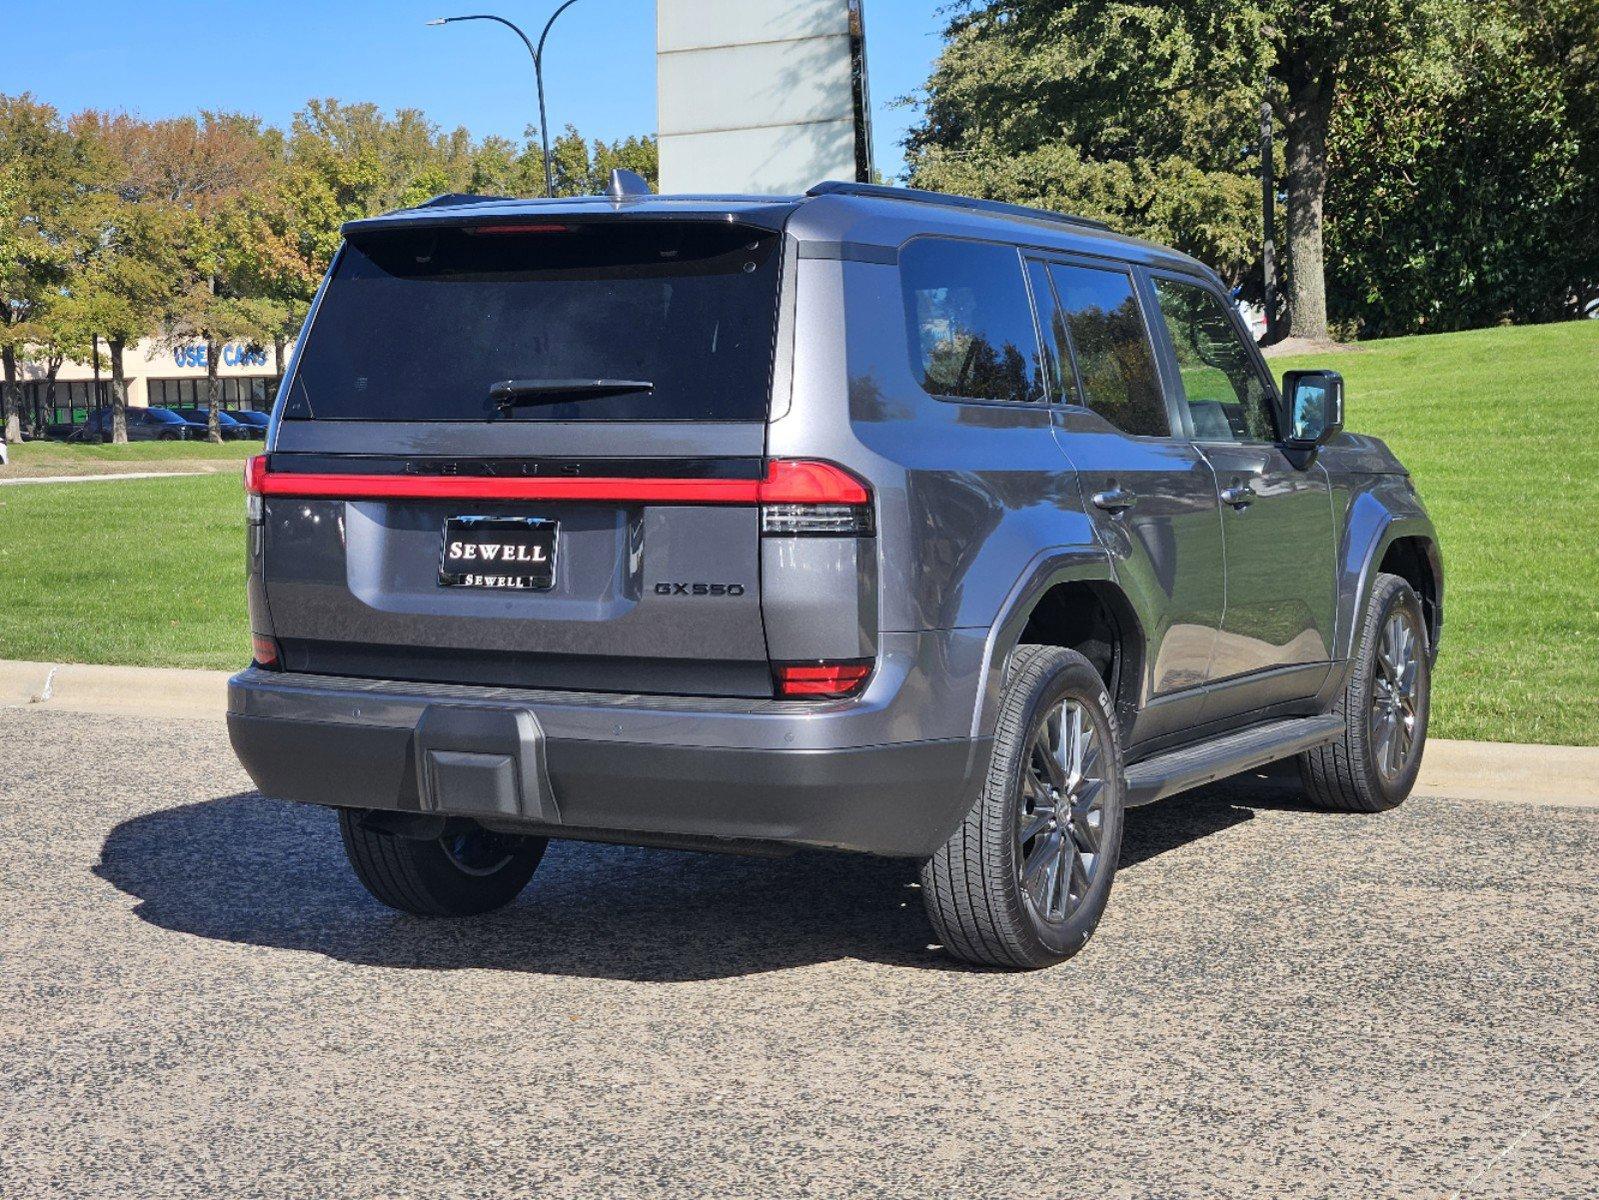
pixel 973 886
pixel 463 873
pixel 1346 775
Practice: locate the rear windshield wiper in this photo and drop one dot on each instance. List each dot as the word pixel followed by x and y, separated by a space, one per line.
pixel 509 393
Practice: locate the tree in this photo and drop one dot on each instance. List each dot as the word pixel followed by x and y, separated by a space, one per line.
pixel 127 286
pixel 1314 43
pixel 44 180
pixel 61 330
pixel 584 168
pixel 199 168
pixel 210 309
pixel 1457 167
pixel 125 283
pixel 1145 114
pixel 275 245
pixel 1132 113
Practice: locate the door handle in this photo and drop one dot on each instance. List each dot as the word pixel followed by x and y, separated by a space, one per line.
pixel 1116 500
pixel 1240 496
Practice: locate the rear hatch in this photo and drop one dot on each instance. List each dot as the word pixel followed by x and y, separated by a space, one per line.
pixel 525 452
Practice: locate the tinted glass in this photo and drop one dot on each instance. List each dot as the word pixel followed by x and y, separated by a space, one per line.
pixel 1227 398
pixel 1116 375
pixel 969 323
pixel 418 326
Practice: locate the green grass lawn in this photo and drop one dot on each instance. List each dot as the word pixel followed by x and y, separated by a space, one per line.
pixel 142 571
pixel 1496 424
pixel 70 454
pixel 1497 427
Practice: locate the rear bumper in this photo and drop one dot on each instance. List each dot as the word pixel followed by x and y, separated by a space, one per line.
pixel 618 767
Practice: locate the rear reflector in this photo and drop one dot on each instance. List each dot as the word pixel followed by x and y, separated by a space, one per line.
pixel 787 481
pixel 265 651
pixel 820 679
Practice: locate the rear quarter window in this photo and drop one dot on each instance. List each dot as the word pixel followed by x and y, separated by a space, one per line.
pixel 969 321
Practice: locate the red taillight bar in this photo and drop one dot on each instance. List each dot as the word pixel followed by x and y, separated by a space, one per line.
pixel 788 481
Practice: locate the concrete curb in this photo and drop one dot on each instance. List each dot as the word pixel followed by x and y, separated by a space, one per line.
pixel 1553 775
pixel 116 691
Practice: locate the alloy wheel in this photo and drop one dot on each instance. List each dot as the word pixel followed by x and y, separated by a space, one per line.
pixel 1396 694
pixel 1061 813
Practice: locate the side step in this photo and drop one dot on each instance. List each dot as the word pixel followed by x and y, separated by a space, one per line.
pixel 1167 774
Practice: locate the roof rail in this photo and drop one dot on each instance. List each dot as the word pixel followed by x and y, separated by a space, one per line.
pixel 840 187
pixel 449 199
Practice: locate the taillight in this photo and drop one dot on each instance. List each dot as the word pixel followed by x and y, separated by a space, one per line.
pixel 255 470
pixel 803 498
pixel 264 651
pixel 821 679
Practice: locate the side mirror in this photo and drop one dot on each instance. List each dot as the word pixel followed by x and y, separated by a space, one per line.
pixel 1315 407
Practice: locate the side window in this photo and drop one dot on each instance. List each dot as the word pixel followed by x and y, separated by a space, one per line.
pixel 1227 398
pixel 969 323
pixel 1116 375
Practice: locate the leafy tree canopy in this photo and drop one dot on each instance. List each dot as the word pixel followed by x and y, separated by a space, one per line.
pixel 1457 139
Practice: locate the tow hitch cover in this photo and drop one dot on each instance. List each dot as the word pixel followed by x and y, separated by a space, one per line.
pixel 483 762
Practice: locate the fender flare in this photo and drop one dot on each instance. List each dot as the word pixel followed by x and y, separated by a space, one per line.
pixel 1055 565
pixel 1361 564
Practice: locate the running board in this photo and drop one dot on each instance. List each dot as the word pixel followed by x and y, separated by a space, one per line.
pixel 1167 774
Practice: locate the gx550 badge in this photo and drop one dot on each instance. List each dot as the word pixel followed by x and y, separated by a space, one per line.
pixel 699 589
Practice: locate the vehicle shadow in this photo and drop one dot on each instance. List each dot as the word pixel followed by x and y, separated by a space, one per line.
pixel 261 872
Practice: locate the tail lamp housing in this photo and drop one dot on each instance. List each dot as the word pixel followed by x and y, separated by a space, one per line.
pixel 807 498
pixel 255 470
pixel 821 679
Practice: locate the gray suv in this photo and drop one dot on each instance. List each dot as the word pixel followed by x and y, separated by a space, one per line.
pixel 869 519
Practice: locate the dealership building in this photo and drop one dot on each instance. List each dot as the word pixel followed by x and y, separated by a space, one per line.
pixel 157 373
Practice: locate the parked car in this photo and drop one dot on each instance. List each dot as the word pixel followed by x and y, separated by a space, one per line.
pixel 872 519
pixel 231 429
pixel 152 424
pixel 255 420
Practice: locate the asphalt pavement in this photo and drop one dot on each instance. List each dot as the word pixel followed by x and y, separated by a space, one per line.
pixel 197 999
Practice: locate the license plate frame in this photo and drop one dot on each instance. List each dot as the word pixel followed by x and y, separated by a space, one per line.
pixel 530 546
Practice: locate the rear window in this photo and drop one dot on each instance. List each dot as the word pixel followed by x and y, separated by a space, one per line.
pixel 421 325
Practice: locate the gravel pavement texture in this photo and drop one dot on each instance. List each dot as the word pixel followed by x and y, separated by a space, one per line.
pixel 198 1000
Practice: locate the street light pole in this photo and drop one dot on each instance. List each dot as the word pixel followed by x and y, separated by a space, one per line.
pixel 538 74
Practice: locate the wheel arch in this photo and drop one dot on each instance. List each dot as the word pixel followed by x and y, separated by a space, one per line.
pixel 1071 599
pixel 1414 558
pixel 1379 539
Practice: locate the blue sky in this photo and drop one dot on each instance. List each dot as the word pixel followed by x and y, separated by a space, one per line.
pixel 163 58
